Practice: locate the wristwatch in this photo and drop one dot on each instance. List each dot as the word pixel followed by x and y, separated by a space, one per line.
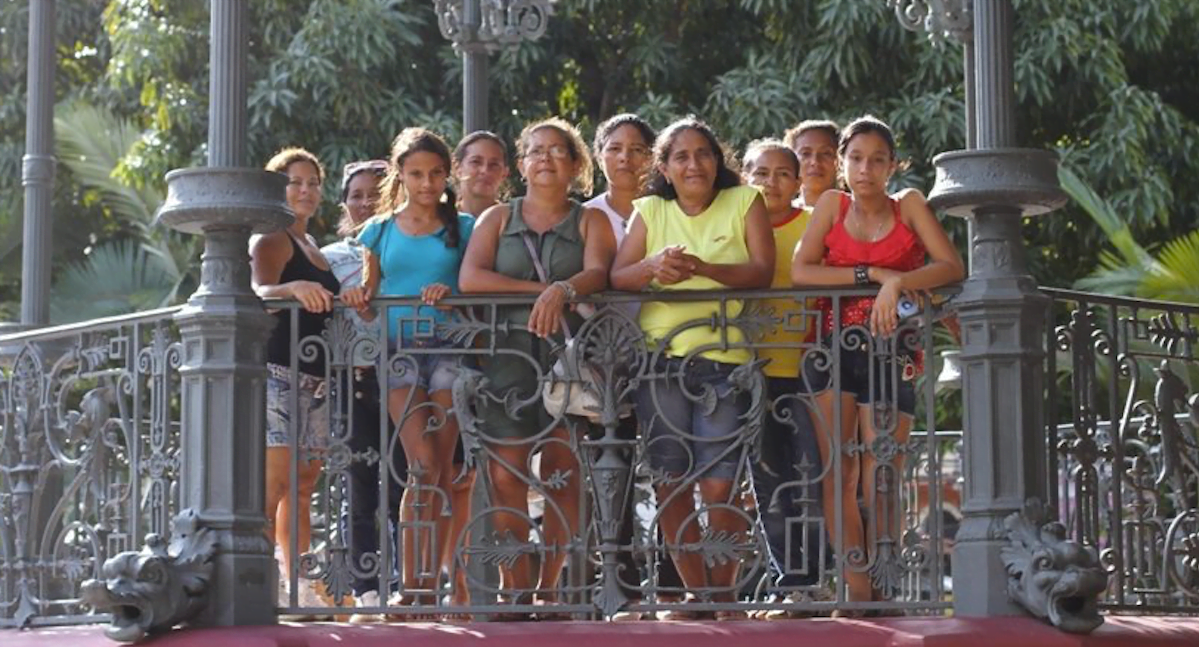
pixel 861 275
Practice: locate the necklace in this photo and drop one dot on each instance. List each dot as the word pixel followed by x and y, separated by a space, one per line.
pixel 861 218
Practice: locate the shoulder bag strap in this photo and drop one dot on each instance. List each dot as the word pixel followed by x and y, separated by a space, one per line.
pixel 542 275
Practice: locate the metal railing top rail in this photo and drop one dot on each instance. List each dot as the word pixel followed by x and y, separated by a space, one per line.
pixel 618 296
pixel 93 325
pixel 1131 302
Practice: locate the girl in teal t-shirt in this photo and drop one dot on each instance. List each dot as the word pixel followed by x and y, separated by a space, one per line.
pixel 414 247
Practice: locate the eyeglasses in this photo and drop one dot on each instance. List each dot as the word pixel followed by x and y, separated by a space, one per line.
pixel 554 152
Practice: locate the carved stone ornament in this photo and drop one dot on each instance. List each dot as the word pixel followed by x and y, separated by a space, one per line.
pixel 158 587
pixel 1051 577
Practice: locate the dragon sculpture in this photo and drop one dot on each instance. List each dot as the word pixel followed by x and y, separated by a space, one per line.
pixel 158 587
pixel 1051 577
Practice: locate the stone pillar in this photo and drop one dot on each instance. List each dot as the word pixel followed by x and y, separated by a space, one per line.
pixel 474 87
pixel 224 331
pixel 227 85
pixel 970 99
pixel 37 169
pixel 474 70
pixel 1002 316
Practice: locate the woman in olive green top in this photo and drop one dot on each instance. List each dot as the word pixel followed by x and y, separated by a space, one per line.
pixel 575 247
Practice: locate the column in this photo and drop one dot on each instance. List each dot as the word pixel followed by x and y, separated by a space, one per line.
pixel 37 168
pixel 474 87
pixel 1002 316
pixel 474 69
pixel 224 331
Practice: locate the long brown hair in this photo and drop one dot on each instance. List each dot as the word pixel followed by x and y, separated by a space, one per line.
pixel 419 140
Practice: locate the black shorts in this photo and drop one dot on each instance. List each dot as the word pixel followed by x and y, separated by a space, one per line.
pixel 886 379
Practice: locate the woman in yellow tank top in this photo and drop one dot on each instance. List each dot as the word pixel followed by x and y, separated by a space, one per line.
pixel 697 229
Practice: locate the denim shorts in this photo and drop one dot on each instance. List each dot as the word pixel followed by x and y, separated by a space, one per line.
pixel 682 436
pixel 313 403
pixel 869 378
pixel 431 372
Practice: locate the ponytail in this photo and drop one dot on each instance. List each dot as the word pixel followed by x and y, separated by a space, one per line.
pixel 447 212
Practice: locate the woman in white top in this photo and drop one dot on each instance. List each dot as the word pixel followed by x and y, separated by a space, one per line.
pixel 624 147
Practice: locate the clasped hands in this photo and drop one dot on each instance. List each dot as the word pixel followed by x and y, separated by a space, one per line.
pixel 674 265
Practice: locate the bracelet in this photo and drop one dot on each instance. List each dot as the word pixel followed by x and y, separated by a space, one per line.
pixel 861 275
pixel 567 289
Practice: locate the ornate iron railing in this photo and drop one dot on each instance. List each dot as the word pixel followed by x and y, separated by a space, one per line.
pixel 605 472
pixel 1126 464
pixel 89 424
pixel 89 437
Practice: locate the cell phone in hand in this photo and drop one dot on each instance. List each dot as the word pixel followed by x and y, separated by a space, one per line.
pixel 907 308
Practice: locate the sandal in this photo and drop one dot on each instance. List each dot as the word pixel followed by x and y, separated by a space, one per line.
pixel 733 615
pixel 683 614
pixel 399 600
pixel 550 615
pixel 512 616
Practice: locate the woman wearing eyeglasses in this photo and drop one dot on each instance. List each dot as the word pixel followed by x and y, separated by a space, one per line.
pixel 543 244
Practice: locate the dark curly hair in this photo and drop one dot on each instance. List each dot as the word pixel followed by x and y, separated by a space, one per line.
pixel 726 177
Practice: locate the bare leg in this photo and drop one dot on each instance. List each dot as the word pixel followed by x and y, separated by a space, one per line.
pixel 884 510
pixel 423 501
pixel 460 515
pixel 278 461
pixel 561 521
pixel 857 582
pixel 279 501
pixel 717 492
pixel 444 441
pixel 510 490
pixel 677 504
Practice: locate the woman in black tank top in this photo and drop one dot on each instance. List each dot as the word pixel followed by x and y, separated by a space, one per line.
pixel 288 264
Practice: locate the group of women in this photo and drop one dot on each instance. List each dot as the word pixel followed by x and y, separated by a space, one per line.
pixel 428 222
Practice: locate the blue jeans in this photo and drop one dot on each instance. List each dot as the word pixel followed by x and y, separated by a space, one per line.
pixel 786 480
pixel 683 438
pixel 429 371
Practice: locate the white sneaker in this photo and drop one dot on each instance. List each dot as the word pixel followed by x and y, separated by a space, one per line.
pixel 368 599
pixel 797 598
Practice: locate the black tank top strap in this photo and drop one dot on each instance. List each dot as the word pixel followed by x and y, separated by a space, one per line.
pixel 300 268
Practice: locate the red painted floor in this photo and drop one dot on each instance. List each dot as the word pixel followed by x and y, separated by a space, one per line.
pixel 889 632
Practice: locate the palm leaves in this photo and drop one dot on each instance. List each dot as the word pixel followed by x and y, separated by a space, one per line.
pixel 117 277
pixel 1132 271
pixel 1177 275
pixel 121 276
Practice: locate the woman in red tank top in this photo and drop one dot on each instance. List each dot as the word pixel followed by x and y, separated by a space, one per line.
pixel 866 238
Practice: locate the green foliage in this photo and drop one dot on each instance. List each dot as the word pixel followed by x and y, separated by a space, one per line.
pixel 90 143
pixel 1112 85
pixel 1172 276
pixel 117 277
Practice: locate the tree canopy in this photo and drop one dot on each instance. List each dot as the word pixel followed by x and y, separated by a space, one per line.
pixel 1112 85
